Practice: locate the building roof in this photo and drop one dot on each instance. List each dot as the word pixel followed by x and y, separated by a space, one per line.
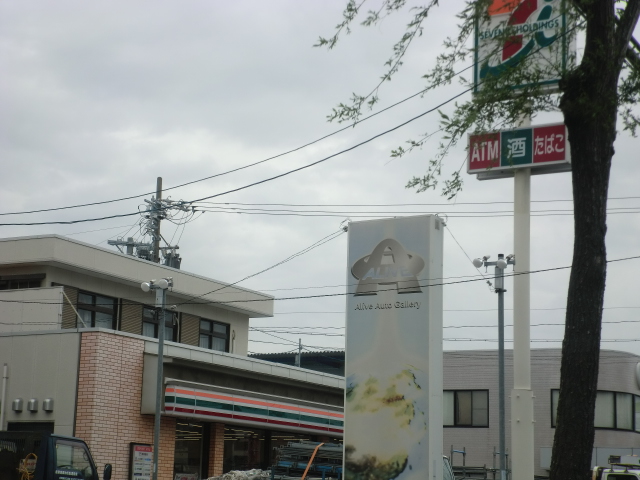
pixel 100 262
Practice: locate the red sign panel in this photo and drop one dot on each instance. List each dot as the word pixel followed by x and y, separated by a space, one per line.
pixel 549 144
pixel 484 151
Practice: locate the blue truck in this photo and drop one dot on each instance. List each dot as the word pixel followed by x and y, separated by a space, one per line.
pixel 46 456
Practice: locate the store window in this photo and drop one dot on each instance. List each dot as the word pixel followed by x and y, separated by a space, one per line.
pixel 150 324
pixel 189 449
pixel 96 310
pixel 40 427
pixel 614 410
pixel 214 335
pixel 282 439
pixel 466 408
pixel 15 282
pixel 245 449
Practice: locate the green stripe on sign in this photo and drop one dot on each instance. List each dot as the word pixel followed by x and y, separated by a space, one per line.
pixel 169 399
pixel 279 414
pixel 185 401
pixel 255 411
pixel 338 423
pixel 217 405
pixel 307 418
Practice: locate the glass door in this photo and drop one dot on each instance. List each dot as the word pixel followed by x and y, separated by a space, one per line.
pixel 188 452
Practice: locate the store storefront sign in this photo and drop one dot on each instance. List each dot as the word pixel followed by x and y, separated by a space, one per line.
pixel 245 409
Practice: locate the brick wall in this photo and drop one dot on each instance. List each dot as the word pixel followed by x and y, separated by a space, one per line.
pixel 216 450
pixel 108 407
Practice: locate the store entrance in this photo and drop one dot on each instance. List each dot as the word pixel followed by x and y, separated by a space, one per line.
pixel 188 458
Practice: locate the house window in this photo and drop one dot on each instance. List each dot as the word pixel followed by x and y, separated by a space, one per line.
pixel 15 282
pixel 96 310
pixel 614 410
pixel 150 324
pixel 214 335
pixel 466 408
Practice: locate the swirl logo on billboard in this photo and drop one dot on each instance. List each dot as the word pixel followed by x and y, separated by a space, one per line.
pixel 389 263
pixel 530 20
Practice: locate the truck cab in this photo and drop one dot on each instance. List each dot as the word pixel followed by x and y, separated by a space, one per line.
pixel 625 467
pixel 38 456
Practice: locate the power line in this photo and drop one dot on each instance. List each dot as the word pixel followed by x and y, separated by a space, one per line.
pixel 342 294
pixel 498 214
pixel 445 310
pixel 253 184
pixel 320 242
pixel 397 204
pixel 302 332
pixel 485 340
pixel 351 125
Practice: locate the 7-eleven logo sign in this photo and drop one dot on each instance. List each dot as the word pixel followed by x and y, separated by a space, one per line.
pixel 517 29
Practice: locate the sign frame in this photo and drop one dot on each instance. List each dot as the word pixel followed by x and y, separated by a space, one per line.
pixel 137 464
pixel 502 166
pixel 536 41
pixel 393 360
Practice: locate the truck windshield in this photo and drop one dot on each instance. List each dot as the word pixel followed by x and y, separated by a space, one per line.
pixel 73 461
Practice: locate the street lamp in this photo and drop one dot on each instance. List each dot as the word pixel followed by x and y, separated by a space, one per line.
pixel 160 286
pixel 500 265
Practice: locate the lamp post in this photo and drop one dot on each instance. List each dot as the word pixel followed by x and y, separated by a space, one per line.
pixel 160 286
pixel 500 265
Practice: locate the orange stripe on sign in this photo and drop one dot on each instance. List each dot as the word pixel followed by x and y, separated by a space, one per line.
pixel 249 401
pixel 184 392
pixel 330 414
pixel 499 7
pixel 214 395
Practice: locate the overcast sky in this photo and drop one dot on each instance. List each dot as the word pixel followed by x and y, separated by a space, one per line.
pixel 100 98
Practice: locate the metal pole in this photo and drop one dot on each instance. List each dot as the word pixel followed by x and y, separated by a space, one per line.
pixel 3 399
pixel 160 303
pixel 522 422
pixel 499 280
pixel 157 213
pixel 299 358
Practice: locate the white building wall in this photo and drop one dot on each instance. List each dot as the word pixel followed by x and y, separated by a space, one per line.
pixel 30 309
pixel 478 370
pixel 42 365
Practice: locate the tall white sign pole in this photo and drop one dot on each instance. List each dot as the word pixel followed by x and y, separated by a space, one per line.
pixel 522 435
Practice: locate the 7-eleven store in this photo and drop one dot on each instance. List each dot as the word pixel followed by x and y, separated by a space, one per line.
pixel 220 412
pixel 78 337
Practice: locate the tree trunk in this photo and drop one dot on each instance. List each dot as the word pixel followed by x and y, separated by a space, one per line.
pixel 589 105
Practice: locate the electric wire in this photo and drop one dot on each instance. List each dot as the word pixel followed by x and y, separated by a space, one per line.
pixel 259 182
pixel 262 161
pixel 316 244
pixel 402 204
pixel 288 330
pixel 342 294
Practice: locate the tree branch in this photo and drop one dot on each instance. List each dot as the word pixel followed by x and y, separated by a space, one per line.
pixel 624 32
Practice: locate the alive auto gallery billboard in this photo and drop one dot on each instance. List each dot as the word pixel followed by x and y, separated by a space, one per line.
pixel 393 396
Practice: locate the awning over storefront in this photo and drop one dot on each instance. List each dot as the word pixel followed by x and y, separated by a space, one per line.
pixel 251 409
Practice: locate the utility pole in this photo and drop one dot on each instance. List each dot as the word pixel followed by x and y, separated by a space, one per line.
pixel 500 265
pixel 158 209
pixel 156 219
pixel 299 356
pixel 160 287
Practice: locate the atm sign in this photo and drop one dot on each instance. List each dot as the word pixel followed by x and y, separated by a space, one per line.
pixel 521 148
